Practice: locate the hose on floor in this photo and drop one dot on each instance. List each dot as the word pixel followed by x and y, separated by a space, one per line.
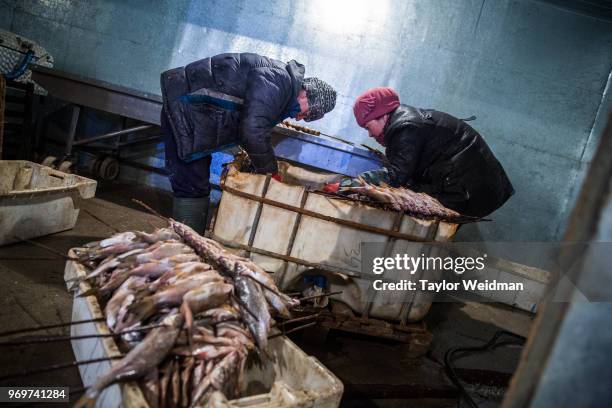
pixel 452 354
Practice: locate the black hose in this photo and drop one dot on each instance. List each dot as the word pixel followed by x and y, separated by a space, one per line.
pixel 492 344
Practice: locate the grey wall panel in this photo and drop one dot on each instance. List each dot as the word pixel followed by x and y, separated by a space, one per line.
pixel 7 8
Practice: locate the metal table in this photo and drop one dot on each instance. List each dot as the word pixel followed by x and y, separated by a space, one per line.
pixel 317 151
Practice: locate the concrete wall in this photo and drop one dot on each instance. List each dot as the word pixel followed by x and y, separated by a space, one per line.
pixel 532 73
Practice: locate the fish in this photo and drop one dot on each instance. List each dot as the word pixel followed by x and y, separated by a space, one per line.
pixel 404 199
pixel 186 380
pixel 111 310
pixel 167 249
pixel 236 334
pixel 219 378
pixel 217 315
pixel 121 321
pixel 164 383
pixel 138 361
pixel 278 300
pixel 206 248
pixel 151 270
pixel 120 238
pixel 170 296
pixel 179 272
pixel 176 383
pixel 224 300
pixel 207 296
pixel 120 248
pixel 199 371
pixel 204 351
pixel 253 310
pixel 151 388
pixel 161 234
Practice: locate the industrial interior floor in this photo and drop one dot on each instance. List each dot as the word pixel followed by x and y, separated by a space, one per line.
pixel 374 372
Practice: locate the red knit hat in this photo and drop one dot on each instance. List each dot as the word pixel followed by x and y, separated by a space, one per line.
pixel 374 103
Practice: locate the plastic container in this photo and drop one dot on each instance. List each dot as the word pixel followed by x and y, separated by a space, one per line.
pixel 290 231
pixel 37 200
pixel 289 379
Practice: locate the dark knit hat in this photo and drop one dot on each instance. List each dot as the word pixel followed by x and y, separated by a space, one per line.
pixel 374 103
pixel 321 98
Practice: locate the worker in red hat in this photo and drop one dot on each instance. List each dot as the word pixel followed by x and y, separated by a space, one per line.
pixel 432 152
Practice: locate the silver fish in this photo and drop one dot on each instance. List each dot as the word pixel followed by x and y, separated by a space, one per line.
pixel 167 249
pixel 114 304
pixel 222 377
pixel 254 309
pixel 162 234
pixel 138 361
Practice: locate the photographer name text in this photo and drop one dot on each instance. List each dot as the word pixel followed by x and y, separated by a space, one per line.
pixel 447 286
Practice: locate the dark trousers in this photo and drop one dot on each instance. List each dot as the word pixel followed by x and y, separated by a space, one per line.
pixel 188 180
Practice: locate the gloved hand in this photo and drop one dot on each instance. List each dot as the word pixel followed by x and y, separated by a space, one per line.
pixel 331 188
pixel 277 177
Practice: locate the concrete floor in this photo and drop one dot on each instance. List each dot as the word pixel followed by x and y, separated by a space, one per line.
pixel 32 292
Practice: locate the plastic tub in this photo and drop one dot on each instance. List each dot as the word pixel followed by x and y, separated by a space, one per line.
pixel 37 200
pixel 290 378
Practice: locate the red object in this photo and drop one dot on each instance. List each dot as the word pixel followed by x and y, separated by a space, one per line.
pixel 277 177
pixel 374 103
pixel 331 187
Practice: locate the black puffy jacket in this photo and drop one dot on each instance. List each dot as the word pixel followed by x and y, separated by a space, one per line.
pixel 438 154
pixel 267 87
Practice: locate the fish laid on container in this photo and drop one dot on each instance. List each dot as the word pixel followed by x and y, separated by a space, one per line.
pixel 173 279
pixel 404 199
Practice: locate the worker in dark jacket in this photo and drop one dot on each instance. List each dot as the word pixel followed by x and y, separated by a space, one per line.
pixel 433 152
pixel 224 100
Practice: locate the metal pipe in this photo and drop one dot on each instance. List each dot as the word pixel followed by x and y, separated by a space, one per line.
pixel 323 217
pixel 51 326
pixel 318 296
pixel 146 140
pixel 55 367
pixel 29 258
pixel 298 261
pixel 292 330
pixel 298 319
pixel 112 134
pixel 70 338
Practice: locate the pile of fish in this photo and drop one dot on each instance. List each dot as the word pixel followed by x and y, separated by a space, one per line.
pixel 188 312
pixel 404 199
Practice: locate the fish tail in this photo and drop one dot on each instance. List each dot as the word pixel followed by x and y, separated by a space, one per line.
pixel 188 316
pixel 88 400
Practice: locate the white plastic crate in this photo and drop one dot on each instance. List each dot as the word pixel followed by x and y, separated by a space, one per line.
pixel 290 230
pixel 290 378
pixel 37 200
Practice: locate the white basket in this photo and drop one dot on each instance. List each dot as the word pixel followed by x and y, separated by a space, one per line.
pixel 36 200
pixel 290 378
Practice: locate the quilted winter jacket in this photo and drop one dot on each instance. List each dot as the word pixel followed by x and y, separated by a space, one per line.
pixel 438 154
pixel 267 87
